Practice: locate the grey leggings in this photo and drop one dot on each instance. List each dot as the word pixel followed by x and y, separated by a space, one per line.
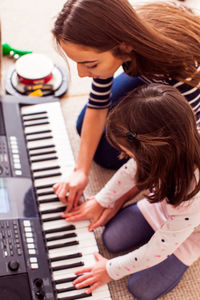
pixel 129 229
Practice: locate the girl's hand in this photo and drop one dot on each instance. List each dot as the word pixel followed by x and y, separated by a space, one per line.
pixel 89 209
pixel 70 191
pixel 94 276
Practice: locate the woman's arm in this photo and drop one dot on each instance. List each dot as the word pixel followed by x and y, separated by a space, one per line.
pixel 93 126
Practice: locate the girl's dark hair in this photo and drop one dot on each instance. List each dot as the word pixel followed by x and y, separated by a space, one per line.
pixel 165 38
pixel 157 125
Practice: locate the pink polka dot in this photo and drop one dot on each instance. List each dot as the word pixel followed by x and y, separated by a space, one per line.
pixel 158 255
pixel 147 267
pixel 127 269
pixel 176 243
pixel 114 192
pixel 117 274
pixel 119 182
pixel 172 218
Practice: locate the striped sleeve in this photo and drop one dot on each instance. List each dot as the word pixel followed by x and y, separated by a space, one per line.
pixel 100 94
pixel 192 94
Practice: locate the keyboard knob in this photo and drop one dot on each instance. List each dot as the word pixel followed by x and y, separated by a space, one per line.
pixel 13 265
pixel 40 294
pixel 38 282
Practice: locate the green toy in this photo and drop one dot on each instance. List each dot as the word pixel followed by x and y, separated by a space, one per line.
pixel 8 50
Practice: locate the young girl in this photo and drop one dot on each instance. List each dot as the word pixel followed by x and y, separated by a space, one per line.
pixel 157 42
pixel 155 126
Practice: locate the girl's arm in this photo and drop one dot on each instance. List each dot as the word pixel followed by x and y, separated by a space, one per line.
pixel 121 183
pixel 162 244
pixel 92 129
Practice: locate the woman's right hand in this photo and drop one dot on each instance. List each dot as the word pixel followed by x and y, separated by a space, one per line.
pixel 69 191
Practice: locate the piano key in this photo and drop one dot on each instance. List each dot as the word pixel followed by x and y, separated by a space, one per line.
pixel 87 260
pixel 61 236
pixel 39 132
pixel 61 223
pixel 51 205
pixel 33 124
pixel 46 169
pixel 36 118
pixel 46 175
pixel 51 180
pixel 79 294
pixel 50 195
pixel 31 112
pixel 38 138
pixel 42 158
pixel 80 238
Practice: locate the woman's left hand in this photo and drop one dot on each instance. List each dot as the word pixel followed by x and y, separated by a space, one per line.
pixel 94 276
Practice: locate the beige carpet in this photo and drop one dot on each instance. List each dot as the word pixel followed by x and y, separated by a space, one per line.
pixel 189 287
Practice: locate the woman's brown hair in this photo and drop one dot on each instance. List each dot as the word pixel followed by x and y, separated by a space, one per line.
pixel 157 125
pixel 165 38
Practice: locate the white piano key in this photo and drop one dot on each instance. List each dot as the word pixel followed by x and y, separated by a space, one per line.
pixel 95 295
pixel 50 205
pixel 63 222
pixel 84 240
pixel 50 180
pixel 33 129
pixel 88 260
pixel 39 143
pixel 71 250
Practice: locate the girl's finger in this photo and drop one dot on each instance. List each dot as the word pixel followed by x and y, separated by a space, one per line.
pixel 83 270
pixel 81 278
pixel 85 283
pixel 92 288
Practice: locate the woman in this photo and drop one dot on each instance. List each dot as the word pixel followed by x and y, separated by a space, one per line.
pixel 154 43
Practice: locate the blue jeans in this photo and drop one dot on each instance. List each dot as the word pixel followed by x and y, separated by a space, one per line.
pixel 151 283
pixel 106 156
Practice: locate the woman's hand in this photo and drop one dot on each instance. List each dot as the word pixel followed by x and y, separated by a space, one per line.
pixel 94 276
pixel 70 191
pixel 89 209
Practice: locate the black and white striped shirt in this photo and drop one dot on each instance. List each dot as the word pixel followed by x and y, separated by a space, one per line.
pixel 100 95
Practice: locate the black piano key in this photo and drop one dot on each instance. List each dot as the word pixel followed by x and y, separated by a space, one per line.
pixel 41 147
pixel 34 113
pixel 50 219
pixel 36 124
pixel 45 193
pixel 46 169
pixel 69 266
pixel 38 132
pixel 42 153
pixel 69 256
pixel 35 119
pixel 62 245
pixel 79 296
pixel 44 186
pixel 62 236
pixel 44 159
pixel 47 175
pixel 65 280
pixel 50 200
pixel 53 210
pixel 40 138
pixel 60 229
